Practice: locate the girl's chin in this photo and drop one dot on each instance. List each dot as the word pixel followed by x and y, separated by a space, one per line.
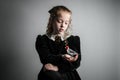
pixel 61 33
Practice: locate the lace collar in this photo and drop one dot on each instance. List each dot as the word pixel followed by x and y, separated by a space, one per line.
pixel 52 37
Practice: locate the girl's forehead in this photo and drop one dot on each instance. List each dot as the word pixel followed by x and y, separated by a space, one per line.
pixel 64 15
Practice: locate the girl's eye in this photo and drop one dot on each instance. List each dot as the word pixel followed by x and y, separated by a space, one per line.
pixel 66 23
pixel 60 21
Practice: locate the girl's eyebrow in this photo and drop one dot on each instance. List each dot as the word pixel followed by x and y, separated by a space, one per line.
pixel 63 20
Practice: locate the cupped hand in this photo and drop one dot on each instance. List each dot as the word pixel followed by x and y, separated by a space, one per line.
pixel 70 58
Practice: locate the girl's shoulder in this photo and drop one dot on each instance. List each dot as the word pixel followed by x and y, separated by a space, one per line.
pixel 42 37
pixel 74 37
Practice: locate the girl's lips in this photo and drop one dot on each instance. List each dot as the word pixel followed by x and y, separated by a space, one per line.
pixel 61 30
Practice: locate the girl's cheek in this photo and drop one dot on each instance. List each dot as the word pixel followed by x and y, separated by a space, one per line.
pixel 66 26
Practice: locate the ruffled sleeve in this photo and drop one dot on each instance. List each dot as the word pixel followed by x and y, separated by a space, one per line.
pixel 44 52
pixel 77 48
pixel 74 43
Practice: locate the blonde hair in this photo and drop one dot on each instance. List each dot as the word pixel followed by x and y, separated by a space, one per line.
pixel 54 12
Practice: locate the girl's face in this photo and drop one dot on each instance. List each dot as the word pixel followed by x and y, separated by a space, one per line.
pixel 61 23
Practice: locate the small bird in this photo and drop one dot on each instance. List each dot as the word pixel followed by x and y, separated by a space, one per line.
pixel 70 51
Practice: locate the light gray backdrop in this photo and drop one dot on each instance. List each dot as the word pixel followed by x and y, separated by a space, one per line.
pixel 95 21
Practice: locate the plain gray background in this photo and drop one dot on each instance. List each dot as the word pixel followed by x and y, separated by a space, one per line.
pixel 95 21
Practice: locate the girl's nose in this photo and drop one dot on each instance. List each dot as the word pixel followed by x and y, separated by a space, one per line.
pixel 63 24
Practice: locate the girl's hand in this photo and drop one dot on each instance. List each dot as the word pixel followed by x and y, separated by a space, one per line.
pixel 70 58
pixel 49 66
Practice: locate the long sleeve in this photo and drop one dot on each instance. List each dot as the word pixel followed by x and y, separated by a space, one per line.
pixel 74 43
pixel 78 50
pixel 44 52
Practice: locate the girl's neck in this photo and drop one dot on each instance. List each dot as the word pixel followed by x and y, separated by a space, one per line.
pixel 62 34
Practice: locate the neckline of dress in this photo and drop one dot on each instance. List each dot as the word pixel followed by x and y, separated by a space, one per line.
pixel 52 37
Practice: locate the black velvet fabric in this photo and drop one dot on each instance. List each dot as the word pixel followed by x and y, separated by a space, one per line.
pixel 51 52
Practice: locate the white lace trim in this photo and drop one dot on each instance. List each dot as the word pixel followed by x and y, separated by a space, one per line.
pixel 52 37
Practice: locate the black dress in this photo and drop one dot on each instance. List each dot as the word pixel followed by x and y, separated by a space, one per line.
pixel 50 52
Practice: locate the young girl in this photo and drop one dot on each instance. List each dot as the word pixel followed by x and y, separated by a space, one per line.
pixel 59 51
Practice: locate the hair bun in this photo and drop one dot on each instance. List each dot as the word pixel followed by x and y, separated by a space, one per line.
pixel 50 11
pixel 53 11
